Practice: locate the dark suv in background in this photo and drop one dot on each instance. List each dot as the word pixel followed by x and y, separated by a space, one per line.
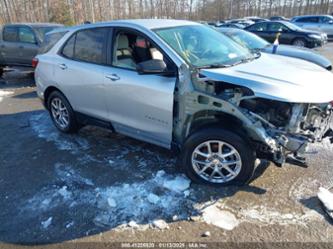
pixel 19 43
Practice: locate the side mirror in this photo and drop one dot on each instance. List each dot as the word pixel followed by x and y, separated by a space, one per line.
pixel 151 67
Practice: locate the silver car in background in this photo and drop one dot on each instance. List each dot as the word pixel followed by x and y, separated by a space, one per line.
pixel 322 23
pixel 185 86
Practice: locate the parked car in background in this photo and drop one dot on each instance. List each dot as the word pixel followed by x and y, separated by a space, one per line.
pixel 290 34
pixel 19 43
pixel 256 43
pixel 244 22
pixel 322 23
pixel 256 19
pixel 231 25
pixel 279 18
pixel 183 85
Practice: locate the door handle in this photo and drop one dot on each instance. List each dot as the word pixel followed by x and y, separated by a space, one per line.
pixel 63 66
pixel 112 77
pixel 21 47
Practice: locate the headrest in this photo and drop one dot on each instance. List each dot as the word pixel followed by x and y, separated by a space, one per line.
pixel 122 42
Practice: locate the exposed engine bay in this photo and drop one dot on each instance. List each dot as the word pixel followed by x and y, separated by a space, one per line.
pixel 286 128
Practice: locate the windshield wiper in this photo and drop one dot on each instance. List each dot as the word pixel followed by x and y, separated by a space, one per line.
pixel 215 65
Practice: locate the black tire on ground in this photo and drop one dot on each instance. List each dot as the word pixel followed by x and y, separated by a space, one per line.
pixel 73 126
pixel 247 155
pixel 1 71
pixel 300 42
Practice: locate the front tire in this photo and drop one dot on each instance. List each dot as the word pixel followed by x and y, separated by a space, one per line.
pixel 62 113
pixel 218 157
pixel 299 43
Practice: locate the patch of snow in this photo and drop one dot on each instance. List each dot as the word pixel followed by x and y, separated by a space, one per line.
pixel 4 93
pixel 133 224
pixel 186 193
pixel 70 224
pixel 326 197
pixel 46 223
pixel 160 224
pixel 220 218
pixel 268 216
pixel 112 203
pixel 64 193
pixel 42 125
pixel 152 198
pixel 178 184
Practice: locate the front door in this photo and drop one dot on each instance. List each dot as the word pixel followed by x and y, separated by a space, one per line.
pixel 140 105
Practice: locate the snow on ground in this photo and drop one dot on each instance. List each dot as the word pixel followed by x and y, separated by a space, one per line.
pixel 150 200
pixel 326 197
pixel 220 218
pixel 42 125
pixel 4 93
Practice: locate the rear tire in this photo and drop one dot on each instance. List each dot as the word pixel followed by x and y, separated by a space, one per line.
pixel 62 113
pixel 229 161
pixel 299 42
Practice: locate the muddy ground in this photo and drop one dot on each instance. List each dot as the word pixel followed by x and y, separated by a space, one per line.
pixel 100 187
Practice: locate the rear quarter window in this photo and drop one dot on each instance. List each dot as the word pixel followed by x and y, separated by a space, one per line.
pixel 49 41
pixel 87 45
pixel 10 34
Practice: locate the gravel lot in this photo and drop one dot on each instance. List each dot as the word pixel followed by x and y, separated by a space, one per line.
pixel 97 187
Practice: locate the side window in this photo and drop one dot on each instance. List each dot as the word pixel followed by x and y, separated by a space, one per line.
pixel 310 19
pixel 277 27
pixel 326 19
pixel 10 34
pixel 68 49
pixel 130 49
pixel 26 35
pixel 258 27
pixel 89 45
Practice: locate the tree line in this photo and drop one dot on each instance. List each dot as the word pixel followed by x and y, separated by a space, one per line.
pixel 70 12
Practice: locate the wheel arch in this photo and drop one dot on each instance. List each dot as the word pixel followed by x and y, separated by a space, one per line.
pixel 48 92
pixel 209 118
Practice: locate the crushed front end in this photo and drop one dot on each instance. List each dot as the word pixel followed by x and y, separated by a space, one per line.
pixel 290 127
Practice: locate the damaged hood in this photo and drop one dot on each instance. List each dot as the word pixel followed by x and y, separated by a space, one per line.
pixel 279 78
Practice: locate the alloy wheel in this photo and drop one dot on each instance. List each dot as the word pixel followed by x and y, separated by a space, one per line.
pixel 59 113
pixel 216 161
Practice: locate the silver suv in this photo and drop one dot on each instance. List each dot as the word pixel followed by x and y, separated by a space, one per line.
pixel 184 86
pixel 322 23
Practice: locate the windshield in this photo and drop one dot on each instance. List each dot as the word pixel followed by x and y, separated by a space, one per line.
pixel 247 39
pixel 203 46
pixel 41 31
pixel 291 26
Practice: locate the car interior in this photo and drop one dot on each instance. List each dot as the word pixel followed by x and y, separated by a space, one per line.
pixel 131 49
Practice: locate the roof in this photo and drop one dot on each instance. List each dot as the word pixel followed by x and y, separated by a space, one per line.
pixel 145 23
pixel 37 24
pixel 310 15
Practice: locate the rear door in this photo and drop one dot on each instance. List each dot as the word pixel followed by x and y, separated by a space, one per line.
pixel 9 46
pixel 308 22
pixel 28 44
pixel 260 29
pixel 140 105
pixel 79 71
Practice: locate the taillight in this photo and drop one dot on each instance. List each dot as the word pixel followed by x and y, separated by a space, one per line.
pixel 34 62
